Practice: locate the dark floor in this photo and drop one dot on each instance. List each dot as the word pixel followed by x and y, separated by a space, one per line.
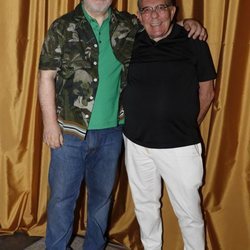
pixel 19 241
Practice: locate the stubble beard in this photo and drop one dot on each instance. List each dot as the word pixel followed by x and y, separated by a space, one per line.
pixel 100 8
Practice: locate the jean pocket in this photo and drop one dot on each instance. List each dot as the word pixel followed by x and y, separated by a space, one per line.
pixel 192 150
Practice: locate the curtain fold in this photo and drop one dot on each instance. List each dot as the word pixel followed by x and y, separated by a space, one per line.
pixel 24 159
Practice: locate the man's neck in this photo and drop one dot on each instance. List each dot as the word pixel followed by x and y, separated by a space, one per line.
pixel 98 16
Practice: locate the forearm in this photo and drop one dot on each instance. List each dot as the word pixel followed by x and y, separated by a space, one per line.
pixel 206 96
pixel 204 107
pixel 52 135
pixel 47 99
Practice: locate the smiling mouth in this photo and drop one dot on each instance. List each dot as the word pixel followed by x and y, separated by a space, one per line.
pixel 155 24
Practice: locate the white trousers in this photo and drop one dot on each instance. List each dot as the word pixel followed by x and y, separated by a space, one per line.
pixel 182 171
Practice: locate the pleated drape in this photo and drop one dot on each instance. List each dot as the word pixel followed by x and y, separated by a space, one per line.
pixel 226 130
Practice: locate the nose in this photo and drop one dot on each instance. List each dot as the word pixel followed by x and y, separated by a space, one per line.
pixel 154 13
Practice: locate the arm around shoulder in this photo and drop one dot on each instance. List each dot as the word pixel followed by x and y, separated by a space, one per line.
pixel 194 28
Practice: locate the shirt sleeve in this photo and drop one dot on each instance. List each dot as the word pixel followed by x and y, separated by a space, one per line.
pixel 51 53
pixel 205 66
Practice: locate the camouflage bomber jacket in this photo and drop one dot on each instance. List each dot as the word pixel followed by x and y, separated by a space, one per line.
pixel 70 47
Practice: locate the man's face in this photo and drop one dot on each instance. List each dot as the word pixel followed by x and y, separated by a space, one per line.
pixel 97 6
pixel 157 22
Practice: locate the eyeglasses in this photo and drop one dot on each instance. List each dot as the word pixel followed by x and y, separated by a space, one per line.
pixel 160 9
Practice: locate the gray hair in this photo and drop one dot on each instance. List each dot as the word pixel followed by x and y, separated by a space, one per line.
pixel 172 2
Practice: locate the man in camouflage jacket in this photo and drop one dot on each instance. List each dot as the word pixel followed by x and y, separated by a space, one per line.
pixel 71 48
pixel 78 51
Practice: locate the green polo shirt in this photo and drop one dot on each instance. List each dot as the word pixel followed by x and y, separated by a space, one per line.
pixel 105 110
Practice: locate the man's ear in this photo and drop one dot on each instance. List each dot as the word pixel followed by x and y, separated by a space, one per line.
pixel 138 14
pixel 173 11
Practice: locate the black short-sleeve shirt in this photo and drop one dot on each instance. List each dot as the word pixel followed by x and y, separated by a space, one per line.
pixel 161 100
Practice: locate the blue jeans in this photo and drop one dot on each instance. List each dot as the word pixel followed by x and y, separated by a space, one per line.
pixel 94 160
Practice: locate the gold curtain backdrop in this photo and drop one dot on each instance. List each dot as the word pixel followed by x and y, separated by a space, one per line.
pixel 226 130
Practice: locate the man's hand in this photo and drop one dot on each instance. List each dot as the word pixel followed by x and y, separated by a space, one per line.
pixel 52 135
pixel 195 29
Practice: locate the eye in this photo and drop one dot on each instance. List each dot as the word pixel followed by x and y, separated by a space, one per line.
pixel 146 10
pixel 161 7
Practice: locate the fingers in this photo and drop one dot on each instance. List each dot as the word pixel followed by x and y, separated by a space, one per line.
pixel 203 35
pixel 187 27
pixel 196 31
pixel 52 135
pixel 61 139
pixel 53 140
